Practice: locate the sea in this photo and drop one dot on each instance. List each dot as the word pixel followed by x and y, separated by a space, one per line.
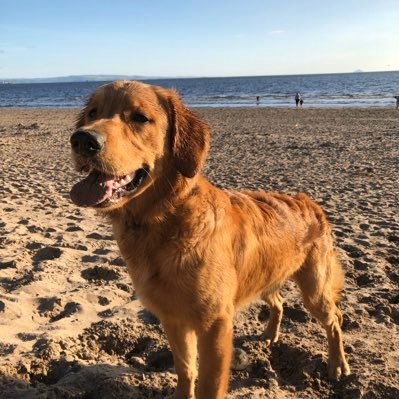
pixel 363 89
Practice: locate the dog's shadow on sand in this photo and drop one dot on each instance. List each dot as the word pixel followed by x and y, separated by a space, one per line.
pixel 101 381
pixel 73 380
pixel 147 317
pixel 287 367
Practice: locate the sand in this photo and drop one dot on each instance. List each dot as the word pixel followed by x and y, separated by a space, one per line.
pixel 70 323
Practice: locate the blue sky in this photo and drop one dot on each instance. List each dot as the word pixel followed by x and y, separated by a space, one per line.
pixel 196 38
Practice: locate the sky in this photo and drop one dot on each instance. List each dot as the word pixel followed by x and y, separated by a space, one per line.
pixel 184 38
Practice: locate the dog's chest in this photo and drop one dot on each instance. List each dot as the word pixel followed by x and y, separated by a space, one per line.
pixel 166 270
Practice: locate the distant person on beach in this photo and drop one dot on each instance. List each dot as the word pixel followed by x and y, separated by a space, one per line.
pixel 257 100
pixel 298 99
pixel 397 101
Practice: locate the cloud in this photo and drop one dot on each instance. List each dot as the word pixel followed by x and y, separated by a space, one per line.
pixel 277 32
pixel 2 51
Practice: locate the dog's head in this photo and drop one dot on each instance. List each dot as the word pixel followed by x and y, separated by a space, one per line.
pixel 130 136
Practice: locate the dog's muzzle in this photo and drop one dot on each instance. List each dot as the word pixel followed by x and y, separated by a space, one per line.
pixel 87 143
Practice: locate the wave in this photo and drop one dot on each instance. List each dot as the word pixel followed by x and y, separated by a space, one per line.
pixel 363 90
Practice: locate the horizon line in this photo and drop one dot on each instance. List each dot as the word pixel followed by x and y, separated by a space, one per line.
pixel 144 77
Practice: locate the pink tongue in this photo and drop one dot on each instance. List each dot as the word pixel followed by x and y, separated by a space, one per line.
pixel 92 190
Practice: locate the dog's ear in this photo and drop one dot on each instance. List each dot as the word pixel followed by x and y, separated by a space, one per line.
pixel 80 118
pixel 190 138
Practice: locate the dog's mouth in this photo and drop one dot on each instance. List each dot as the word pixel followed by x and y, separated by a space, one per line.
pixel 101 190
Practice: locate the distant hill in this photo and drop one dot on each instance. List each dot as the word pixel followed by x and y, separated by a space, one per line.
pixel 77 78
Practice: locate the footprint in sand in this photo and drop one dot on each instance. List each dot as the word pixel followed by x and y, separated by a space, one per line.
pixel 102 251
pixel 34 245
pixel 393 238
pixel 393 276
pixel 27 336
pixel 69 309
pixel 98 273
pixel 11 284
pixel 6 349
pixel 160 360
pixel 97 236
pixel 35 229
pixel 47 253
pixel 126 288
pixel 118 261
pixel 352 251
pixel 147 317
pixel 73 228
pixel 359 265
pixel 71 245
pixel 364 280
pixel 48 305
pixel 103 301
pixel 52 307
pixel 296 314
pixel 71 217
pixel 11 264
pixel 362 242
pixel 349 324
pixel 107 313
pixel 142 345
pixel 393 260
pixel 394 299
pixel 93 259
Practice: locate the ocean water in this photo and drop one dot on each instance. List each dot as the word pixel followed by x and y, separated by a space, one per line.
pixel 372 89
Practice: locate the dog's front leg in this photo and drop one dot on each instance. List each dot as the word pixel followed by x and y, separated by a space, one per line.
pixel 215 349
pixel 183 342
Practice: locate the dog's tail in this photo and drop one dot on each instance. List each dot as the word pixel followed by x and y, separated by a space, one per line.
pixel 337 283
pixel 337 277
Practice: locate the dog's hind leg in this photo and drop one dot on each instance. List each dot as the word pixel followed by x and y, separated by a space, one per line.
pixel 320 280
pixel 275 303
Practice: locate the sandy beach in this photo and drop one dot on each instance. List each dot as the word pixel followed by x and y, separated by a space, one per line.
pixel 70 323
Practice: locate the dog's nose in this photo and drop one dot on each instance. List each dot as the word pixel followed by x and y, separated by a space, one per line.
pixel 87 143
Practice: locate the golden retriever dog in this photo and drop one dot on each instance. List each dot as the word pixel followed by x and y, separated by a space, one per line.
pixel 196 253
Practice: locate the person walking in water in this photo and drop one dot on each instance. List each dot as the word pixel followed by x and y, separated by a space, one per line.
pixel 397 101
pixel 298 99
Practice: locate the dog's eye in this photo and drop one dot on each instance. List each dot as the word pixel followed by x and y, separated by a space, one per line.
pixel 140 118
pixel 92 113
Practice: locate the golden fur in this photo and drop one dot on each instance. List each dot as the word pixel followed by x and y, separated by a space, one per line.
pixel 195 252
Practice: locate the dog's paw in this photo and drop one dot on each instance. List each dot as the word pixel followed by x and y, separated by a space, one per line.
pixel 269 338
pixel 338 369
pixel 239 360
